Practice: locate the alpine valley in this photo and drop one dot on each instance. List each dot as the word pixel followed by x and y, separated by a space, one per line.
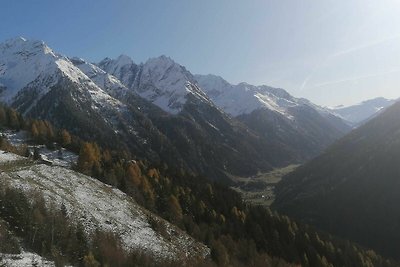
pixel 163 113
pixel 118 163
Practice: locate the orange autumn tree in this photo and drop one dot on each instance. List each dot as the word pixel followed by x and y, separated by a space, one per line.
pixel 89 159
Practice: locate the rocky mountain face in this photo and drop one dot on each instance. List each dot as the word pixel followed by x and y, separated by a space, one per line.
pixel 352 189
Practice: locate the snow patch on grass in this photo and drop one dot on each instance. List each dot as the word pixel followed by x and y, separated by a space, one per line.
pixel 25 259
pixel 6 157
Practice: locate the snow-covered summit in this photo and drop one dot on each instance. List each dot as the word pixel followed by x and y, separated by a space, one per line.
pixel 160 80
pixel 122 67
pixel 213 84
pixel 167 84
pixel 21 62
pixel 124 60
pixel 244 98
pixel 25 61
pixel 117 65
pixel 30 65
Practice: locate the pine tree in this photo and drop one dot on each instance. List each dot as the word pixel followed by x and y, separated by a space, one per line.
pixel 34 131
pixel 3 116
pixel 89 158
pixel 90 261
pixel 134 174
pixel 219 253
pixel 175 209
pixel 12 119
pixel 65 138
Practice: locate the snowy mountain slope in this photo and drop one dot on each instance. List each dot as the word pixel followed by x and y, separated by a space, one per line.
pixel 159 80
pixel 22 61
pixel 272 112
pixel 98 206
pixel 244 98
pixel 60 157
pixel 24 259
pixel 363 111
pixel 122 67
pixel 102 79
pixel 31 67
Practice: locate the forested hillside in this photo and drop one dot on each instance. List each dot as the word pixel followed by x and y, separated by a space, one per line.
pixel 352 189
pixel 238 234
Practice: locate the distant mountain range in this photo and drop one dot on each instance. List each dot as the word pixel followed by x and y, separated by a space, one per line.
pixel 158 110
pixel 362 112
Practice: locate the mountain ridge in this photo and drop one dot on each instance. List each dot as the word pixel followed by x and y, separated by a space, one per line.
pixel 275 114
pixel 158 111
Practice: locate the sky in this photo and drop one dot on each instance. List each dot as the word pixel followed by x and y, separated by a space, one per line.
pixel 331 52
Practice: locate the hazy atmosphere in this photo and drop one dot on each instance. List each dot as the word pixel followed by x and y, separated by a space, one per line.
pixel 331 52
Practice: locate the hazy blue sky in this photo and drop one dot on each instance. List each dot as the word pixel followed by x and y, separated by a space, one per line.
pixel 331 52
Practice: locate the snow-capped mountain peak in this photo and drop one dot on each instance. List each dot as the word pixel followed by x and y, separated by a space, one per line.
pixel 29 69
pixel 160 80
pixel 167 84
pixel 122 68
pixel 21 62
pixel 214 84
pixel 25 47
pixel 124 60
pixel 117 65
pixel 25 61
